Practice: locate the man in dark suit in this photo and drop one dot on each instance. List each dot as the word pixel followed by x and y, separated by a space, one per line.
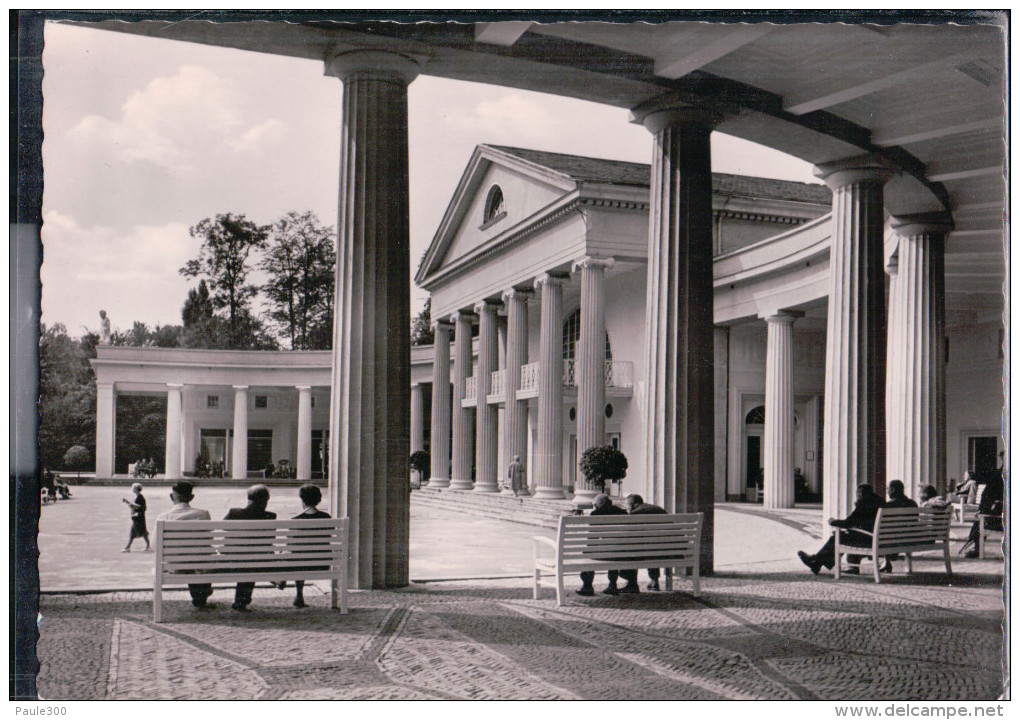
pixel 636 505
pixel 258 499
pixel 862 518
pixel 896 500
pixel 601 505
pixel 990 505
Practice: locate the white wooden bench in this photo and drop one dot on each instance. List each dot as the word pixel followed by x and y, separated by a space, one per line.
pixel 619 542
pixel 902 531
pixel 230 551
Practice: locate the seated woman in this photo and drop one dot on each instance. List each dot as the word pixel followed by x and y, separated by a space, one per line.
pixel 967 489
pixel 991 506
pixel 310 497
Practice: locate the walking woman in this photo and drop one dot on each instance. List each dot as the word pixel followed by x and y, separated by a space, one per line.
pixel 138 529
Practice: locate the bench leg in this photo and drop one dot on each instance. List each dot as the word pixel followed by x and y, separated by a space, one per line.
pixel 157 600
pixel 669 579
pixel 537 581
pixel 696 580
pixel 838 556
pixel 981 537
pixel 945 555
pixel 910 568
pixel 559 587
pixel 874 566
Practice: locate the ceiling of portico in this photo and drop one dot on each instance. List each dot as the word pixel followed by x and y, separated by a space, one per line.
pixel 929 96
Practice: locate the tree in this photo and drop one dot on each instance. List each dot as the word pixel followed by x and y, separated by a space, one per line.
pixel 223 260
pixel 421 463
pixel 198 307
pixel 77 458
pixel 67 393
pixel 602 463
pixel 421 327
pixel 301 264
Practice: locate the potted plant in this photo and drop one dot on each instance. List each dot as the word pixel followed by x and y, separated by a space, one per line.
pixel 421 463
pixel 602 463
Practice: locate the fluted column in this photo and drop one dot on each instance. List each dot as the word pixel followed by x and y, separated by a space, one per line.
pixel 778 440
pixel 370 424
pixel 486 415
pixel 417 418
pixel 239 448
pixel 106 429
pixel 679 407
pixel 917 382
pixel 303 469
pixel 463 452
pixel 548 478
pixel 440 447
pixel 515 434
pixel 590 369
pixel 855 348
pixel 174 430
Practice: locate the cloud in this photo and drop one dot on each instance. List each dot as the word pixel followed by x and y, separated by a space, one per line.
pixel 509 113
pixel 177 122
pixel 132 274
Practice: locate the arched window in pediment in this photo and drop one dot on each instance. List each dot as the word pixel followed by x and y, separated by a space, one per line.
pixel 756 416
pixel 495 206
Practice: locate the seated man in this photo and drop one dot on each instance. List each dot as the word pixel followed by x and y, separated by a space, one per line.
pixel 601 505
pixel 896 500
pixel 181 496
pixel 862 518
pixel 930 498
pixel 258 499
pixel 990 505
pixel 636 505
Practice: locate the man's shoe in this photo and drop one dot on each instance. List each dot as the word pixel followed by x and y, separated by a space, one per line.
pixel 280 585
pixel 654 586
pixel 611 590
pixel 887 567
pixel 629 590
pixel 586 591
pixel 972 554
pixel 813 565
pixel 199 603
pixel 299 603
pixel 239 607
pixel 206 606
pixel 853 570
pixel 126 550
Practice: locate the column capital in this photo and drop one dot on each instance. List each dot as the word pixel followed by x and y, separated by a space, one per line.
pixel 517 294
pixel 486 306
pixel 303 387
pixel 782 316
pixel 549 279
pixel 857 169
pixel 240 387
pixel 373 64
pixel 105 385
pixel 442 323
pixel 175 386
pixel 589 261
pixel 680 108
pixel 462 315
pixel 933 223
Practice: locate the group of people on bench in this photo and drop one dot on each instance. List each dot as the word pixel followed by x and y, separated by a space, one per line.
pixel 182 493
pixel 867 507
pixel 635 504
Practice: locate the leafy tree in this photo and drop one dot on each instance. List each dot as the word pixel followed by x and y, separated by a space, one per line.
pixel 223 260
pixel 421 327
pixel 67 393
pixel 301 264
pixel 198 307
pixel 602 463
pixel 77 458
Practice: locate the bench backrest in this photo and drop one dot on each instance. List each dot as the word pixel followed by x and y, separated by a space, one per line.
pixel 896 527
pixel 616 537
pixel 249 545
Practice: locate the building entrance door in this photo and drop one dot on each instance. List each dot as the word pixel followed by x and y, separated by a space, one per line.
pixel 260 449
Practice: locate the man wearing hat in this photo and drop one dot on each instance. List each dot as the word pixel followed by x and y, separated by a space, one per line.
pixel 181 494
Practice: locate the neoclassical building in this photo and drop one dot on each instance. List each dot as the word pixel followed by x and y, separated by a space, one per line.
pixel 903 121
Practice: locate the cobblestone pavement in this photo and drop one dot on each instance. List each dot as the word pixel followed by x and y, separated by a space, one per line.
pixel 749 636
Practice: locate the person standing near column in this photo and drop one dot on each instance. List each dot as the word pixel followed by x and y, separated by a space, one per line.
pixel 515 474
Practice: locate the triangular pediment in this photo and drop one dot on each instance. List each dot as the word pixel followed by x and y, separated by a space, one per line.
pixel 526 188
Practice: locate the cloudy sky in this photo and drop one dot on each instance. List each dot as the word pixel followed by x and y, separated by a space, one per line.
pixel 144 138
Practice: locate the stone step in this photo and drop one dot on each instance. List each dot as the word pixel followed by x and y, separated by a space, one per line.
pixel 524 510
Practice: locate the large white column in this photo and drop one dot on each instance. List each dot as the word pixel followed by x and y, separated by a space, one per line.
pixel 486 415
pixel 680 382
pixel 548 478
pixel 590 368
pixel 855 352
pixel 463 451
pixel 916 383
pixel 778 440
pixel 515 435
pixel 239 464
pixel 440 446
pixel 417 418
pixel 370 424
pixel 106 429
pixel 174 430
pixel 304 433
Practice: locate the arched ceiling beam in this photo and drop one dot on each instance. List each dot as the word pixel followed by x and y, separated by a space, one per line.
pixel 672 64
pixel 501 33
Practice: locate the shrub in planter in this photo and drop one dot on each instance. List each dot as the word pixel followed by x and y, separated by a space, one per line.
pixel 602 463
pixel 421 462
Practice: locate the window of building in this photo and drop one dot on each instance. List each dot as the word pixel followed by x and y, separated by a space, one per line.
pixel 261 401
pixel 495 207
pixel 212 401
pixel 572 335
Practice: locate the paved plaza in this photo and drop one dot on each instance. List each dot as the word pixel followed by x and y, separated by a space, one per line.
pixel 763 627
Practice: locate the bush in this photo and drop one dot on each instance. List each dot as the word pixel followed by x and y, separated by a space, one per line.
pixel 77 458
pixel 602 463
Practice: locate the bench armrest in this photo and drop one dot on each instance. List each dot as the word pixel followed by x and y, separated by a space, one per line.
pixel 544 540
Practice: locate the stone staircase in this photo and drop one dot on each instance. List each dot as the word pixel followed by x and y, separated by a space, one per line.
pixel 525 510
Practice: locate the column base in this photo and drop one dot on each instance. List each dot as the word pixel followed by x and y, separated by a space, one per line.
pixel 461 485
pixel 584 497
pixel 486 488
pixel 549 493
pixel 439 482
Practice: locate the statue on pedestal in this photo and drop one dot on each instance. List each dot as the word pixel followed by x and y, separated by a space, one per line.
pixel 104 328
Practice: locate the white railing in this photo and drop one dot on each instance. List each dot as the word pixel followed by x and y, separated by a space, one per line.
pixel 569 377
pixel 497 382
pixel 619 374
pixel 471 388
pixel 529 377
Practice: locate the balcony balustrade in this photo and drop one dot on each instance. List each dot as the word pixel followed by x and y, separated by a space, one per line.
pixel 497 386
pixel 471 389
